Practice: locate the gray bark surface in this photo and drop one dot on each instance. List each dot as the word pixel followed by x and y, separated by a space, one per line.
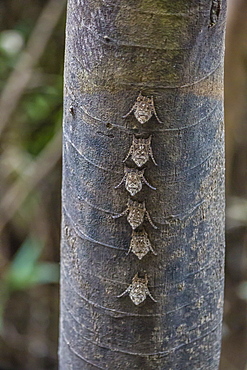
pixel 173 51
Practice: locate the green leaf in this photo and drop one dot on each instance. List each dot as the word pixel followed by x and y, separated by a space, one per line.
pixel 22 267
pixel 45 273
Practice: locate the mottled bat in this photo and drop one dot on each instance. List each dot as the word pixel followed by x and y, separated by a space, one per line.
pixel 136 212
pixel 140 151
pixel 143 109
pixel 133 179
pixel 138 290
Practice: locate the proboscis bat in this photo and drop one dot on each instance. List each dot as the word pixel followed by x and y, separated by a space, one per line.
pixel 134 179
pixel 138 290
pixel 140 151
pixel 136 212
pixel 143 109
pixel 140 244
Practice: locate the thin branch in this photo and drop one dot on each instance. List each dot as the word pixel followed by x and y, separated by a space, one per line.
pixel 31 177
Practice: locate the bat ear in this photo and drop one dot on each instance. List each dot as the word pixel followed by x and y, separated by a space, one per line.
pixel 149 139
pixel 146 278
pixel 135 278
pixel 139 98
pixel 135 140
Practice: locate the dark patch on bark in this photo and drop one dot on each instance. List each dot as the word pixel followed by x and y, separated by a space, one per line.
pixel 215 12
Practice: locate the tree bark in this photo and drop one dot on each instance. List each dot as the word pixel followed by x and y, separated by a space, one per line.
pixel 173 51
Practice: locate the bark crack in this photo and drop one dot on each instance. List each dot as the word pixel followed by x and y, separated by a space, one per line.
pixel 79 355
pixel 82 235
pixel 150 354
pixel 162 87
pixel 87 159
pixel 153 131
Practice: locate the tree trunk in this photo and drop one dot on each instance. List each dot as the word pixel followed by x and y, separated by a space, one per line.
pixel 173 51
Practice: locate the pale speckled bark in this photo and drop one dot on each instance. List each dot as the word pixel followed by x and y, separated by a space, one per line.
pixel 113 50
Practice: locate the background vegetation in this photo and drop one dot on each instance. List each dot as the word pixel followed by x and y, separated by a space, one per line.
pixel 31 67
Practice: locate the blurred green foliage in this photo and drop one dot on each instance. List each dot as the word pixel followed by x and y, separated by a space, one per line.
pixel 25 271
pixel 29 241
pixel 41 106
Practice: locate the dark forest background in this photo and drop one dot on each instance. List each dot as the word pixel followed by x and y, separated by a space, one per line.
pixel 31 83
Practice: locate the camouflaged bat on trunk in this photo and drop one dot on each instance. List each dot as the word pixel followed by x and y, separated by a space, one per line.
pixel 143 109
pixel 140 244
pixel 140 151
pixel 136 212
pixel 134 179
pixel 138 290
